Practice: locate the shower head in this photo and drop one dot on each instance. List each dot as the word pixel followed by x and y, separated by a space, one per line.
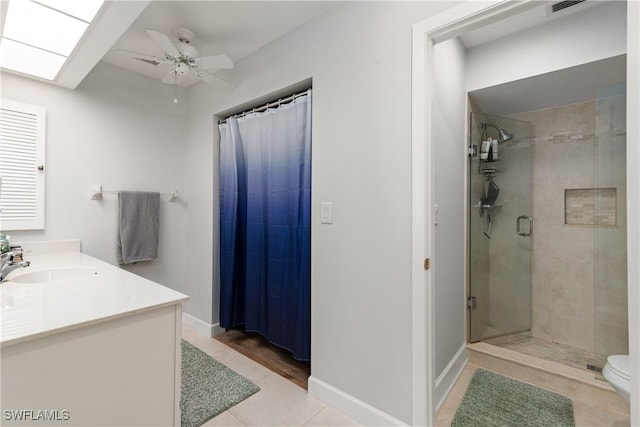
pixel 503 135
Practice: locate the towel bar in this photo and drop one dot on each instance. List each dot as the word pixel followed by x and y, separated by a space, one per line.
pixel 96 192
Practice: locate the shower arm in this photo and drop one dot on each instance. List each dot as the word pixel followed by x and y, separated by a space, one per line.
pixel 484 129
pixel 503 135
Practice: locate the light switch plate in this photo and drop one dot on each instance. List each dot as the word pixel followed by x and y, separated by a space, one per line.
pixel 326 213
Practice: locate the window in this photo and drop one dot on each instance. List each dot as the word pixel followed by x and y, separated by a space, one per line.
pixel 39 36
pixel 22 136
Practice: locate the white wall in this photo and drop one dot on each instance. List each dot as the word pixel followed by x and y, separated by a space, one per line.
pixel 586 36
pixel 121 130
pixel 359 56
pixel 449 110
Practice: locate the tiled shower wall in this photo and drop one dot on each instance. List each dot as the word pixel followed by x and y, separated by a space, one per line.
pixel 579 285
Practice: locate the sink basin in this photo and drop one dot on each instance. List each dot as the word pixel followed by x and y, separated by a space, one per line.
pixel 63 273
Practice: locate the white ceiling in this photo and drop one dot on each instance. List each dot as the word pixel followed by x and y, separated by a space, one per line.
pixel 238 28
pixel 529 18
pixel 568 86
pixel 235 28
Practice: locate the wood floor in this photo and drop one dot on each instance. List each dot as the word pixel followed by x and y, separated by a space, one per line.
pixel 258 349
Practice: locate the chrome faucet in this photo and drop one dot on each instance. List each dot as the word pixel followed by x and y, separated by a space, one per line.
pixel 8 264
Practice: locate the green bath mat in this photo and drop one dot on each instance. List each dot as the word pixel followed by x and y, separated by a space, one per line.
pixel 494 400
pixel 208 387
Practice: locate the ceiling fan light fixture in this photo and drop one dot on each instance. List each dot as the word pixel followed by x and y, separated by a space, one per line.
pixel 182 68
pixel 184 58
pixel 186 50
pixel 185 35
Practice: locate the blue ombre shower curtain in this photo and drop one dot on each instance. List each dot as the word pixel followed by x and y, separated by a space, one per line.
pixel 265 224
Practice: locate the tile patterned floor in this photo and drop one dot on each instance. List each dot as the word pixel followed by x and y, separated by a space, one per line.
pixel 282 403
pixel 278 403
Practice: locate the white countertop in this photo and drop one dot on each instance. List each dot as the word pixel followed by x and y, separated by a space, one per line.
pixel 30 310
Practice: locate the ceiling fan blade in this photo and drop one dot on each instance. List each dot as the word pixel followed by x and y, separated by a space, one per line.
pixel 164 42
pixel 150 59
pixel 211 79
pixel 215 61
pixel 171 78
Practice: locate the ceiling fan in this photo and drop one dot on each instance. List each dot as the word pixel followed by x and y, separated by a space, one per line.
pixel 185 58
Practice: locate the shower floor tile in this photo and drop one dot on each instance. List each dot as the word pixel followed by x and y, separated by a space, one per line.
pixel 560 353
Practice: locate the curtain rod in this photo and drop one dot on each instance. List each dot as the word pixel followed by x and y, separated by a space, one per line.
pixel 266 106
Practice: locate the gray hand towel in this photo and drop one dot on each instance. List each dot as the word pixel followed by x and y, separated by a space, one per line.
pixel 138 226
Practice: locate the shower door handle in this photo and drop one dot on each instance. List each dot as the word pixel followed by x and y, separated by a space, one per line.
pixel 518 227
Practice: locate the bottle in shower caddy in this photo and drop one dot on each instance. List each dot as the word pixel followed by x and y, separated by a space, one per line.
pixel 489 150
pixel 484 150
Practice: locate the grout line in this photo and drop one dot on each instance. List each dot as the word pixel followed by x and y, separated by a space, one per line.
pixel 315 415
pixel 237 419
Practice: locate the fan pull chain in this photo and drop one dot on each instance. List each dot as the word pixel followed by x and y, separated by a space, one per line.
pixel 175 85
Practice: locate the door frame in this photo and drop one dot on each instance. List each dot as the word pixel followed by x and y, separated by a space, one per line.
pixel 448 24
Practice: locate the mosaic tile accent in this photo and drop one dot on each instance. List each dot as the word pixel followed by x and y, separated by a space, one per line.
pixel 590 206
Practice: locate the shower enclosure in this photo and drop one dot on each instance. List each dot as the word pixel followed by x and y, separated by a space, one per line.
pixel 547 231
pixel 500 227
pixel 610 312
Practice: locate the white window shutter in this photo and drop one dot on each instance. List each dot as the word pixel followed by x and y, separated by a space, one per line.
pixel 22 154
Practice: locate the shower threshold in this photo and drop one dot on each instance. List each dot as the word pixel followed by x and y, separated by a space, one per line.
pixel 564 354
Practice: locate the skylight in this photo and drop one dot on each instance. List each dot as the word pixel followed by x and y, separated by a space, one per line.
pixel 38 36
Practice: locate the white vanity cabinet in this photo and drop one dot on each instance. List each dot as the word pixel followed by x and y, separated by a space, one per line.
pixel 84 352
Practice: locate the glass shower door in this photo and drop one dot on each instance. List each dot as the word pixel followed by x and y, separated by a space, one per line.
pixel 500 227
pixel 610 225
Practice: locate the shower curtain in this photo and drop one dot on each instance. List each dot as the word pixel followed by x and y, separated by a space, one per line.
pixel 265 224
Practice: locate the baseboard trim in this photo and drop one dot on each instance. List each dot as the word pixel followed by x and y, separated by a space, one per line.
pixel 360 411
pixel 204 328
pixel 447 379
